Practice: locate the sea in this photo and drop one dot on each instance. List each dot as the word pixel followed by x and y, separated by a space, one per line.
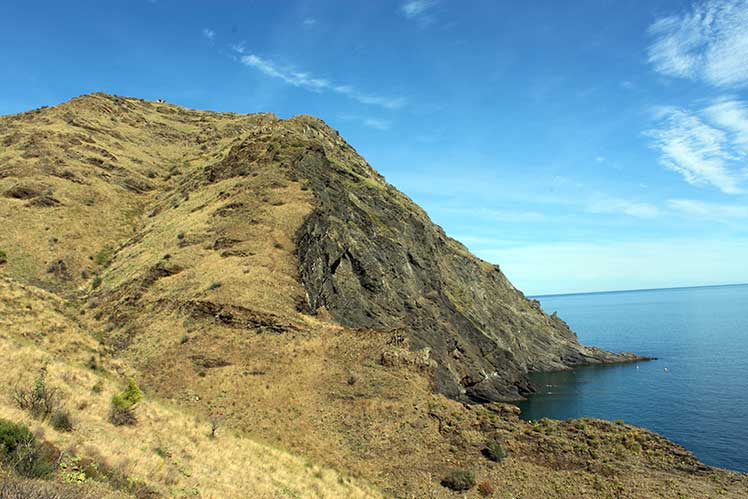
pixel 695 393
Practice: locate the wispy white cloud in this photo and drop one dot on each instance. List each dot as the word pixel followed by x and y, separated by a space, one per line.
pixel 493 215
pixel 620 206
pixel 419 10
pixel 709 43
pixel 375 123
pixel 710 211
pixel 309 22
pixel 307 81
pixel 703 153
pixel 209 33
pixel 731 116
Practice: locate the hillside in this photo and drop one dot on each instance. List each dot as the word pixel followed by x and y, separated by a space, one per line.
pixel 259 272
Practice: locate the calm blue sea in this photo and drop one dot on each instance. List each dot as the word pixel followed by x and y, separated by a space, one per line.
pixel 699 334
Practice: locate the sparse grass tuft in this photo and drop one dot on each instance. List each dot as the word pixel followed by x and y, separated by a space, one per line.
pixel 494 451
pixel 39 399
pixel 459 480
pixel 61 421
pixel 104 257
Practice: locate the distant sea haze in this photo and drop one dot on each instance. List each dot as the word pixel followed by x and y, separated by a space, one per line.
pixel 695 394
pixel 674 288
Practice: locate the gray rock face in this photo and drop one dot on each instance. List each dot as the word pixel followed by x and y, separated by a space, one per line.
pixel 375 260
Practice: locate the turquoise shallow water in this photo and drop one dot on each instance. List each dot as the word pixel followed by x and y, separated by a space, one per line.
pixel 699 334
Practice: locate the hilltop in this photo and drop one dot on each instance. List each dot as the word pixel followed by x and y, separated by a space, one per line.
pixel 258 272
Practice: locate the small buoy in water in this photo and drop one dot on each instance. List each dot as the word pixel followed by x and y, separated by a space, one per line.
pixel 666 370
pixel 637 367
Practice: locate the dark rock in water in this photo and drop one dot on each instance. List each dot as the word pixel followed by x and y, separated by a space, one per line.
pixel 374 259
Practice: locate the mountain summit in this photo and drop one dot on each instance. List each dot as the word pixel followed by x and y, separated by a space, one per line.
pixel 287 201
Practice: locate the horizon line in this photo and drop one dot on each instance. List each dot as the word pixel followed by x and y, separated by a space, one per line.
pixel 637 290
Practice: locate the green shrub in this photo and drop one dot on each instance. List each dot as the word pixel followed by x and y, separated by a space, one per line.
pixel 132 393
pixel 96 282
pixel 494 451
pixel 61 421
pixel 98 387
pixel 459 479
pixel 20 451
pixel 122 412
pixel 39 399
pixel 214 285
pixel 3 257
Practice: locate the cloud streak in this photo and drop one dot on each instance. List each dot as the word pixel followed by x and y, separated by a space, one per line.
pixel 375 123
pixel 209 33
pixel 708 43
pixel 418 10
pixel 708 211
pixel 731 116
pixel 622 206
pixel 704 153
pixel 312 83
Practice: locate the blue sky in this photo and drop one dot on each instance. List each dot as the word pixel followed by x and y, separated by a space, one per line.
pixel 588 145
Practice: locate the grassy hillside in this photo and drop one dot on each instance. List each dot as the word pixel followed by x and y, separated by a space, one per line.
pixel 150 242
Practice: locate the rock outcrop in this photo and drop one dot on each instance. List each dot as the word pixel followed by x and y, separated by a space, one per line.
pixel 375 260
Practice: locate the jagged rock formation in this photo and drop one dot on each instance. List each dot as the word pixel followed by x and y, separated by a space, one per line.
pixel 375 260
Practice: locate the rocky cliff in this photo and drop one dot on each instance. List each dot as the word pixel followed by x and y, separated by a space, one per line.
pixel 374 259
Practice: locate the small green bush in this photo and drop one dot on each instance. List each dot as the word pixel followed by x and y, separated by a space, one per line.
pixel 3 257
pixel 20 451
pixel 214 285
pixel 123 404
pixel 132 393
pixel 96 282
pixel 459 480
pixel 61 421
pixel 494 451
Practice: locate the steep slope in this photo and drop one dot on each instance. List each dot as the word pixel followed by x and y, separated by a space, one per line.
pixel 169 450
pixel 375 260
pixel 259 271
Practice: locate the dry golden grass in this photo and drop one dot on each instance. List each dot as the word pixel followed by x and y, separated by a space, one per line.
pixel 168 449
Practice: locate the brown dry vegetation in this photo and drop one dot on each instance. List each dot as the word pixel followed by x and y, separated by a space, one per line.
pixel 200 301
